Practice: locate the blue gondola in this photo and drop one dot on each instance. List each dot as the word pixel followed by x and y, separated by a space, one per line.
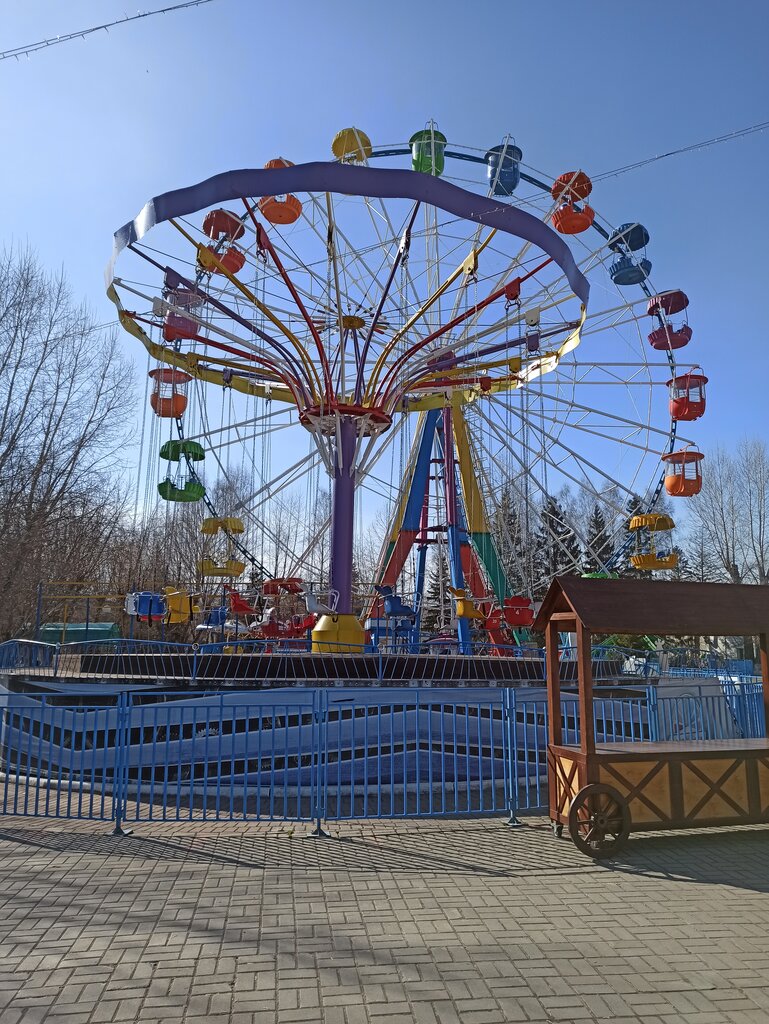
pixel 504 168
pixel 632 236
pixel 625 271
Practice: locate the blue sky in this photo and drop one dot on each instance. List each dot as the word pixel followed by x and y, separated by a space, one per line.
pixel 93 128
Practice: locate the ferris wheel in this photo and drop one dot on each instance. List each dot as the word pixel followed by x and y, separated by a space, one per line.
pixel 427 329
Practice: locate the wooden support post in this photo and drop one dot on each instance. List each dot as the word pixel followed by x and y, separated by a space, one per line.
pixel 555 724
pixel 763 641
pixel 585 680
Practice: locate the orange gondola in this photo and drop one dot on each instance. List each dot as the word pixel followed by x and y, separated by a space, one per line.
pixel 570 186
pixel 570 221
pixel 231 260
pixel 169 392
pixel 274 209
pixel 683 473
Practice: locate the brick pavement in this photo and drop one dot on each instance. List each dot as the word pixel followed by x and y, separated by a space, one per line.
pixel 388 923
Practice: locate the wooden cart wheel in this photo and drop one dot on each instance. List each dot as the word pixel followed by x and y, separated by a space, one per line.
pixel 599 821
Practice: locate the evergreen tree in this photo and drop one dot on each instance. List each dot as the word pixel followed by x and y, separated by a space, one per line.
pixel 558 550
pixel 600 546
pixel 507 530
pixel 436 606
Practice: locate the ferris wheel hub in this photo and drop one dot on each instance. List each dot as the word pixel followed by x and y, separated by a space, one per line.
pixel 369 421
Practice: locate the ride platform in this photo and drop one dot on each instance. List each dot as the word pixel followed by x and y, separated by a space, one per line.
pixel 249 669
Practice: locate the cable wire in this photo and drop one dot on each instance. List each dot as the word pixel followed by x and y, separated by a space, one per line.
pixel 25 51
pixel 738 134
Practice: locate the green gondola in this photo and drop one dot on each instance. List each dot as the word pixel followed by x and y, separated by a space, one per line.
pixel 174 451
pixel 192 490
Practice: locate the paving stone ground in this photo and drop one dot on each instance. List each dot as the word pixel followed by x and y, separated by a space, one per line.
pixel 388 923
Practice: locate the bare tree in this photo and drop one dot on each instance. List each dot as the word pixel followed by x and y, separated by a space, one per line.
pixel 729 519
pixel 65 400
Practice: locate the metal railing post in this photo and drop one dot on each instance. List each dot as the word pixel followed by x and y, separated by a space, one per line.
pixel 119 773
pixel 653 713
pixel 320 732
pixel 509 738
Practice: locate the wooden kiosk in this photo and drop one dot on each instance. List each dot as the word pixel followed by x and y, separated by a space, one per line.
pixel 601 792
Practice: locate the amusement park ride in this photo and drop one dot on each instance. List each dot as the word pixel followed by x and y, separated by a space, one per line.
pixel 453 334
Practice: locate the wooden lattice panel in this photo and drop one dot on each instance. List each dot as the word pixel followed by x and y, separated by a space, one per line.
pixel 762 765
pixel 565 772
pixel 714 789
pixel 646 787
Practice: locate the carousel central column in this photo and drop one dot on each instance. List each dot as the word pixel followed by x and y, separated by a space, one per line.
pixel 342 632
pixel 343 516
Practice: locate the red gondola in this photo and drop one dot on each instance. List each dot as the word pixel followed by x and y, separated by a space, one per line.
pixel 176 326
pixel 223 223
pixel 668 337
pixel 687 395
pixel 669 303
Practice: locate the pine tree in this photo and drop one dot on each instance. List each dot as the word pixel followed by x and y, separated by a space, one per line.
pixel 507 530
pixel 600 546
pixel 558 550
pixel 436 606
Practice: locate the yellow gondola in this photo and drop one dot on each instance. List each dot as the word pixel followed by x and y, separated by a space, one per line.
pixel 230 568
pixel 646 557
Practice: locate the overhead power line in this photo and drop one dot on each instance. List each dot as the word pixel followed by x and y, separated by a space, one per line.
pixel 684 149
pixel 25 51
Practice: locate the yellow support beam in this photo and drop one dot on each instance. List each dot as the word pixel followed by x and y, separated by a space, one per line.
pixel 474 507
pixel 189 362
pixel 211 257
pixel 468 266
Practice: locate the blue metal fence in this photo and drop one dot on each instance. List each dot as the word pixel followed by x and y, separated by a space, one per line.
pixel 318 753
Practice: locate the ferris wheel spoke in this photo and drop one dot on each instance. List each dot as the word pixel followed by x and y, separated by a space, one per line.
pixel 350 249
pixel 614 417
pixel 499 523
pixel 409 283
pixel 556 538
pixel 242 438
pixel 282 410
pixel 542 456
pixel 301 560
pixel 286 478
pixel 581 461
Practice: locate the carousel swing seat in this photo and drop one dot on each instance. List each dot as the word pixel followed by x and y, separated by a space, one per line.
pixel 466 606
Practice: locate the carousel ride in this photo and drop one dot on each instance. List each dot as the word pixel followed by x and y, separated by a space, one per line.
pixel 426 334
